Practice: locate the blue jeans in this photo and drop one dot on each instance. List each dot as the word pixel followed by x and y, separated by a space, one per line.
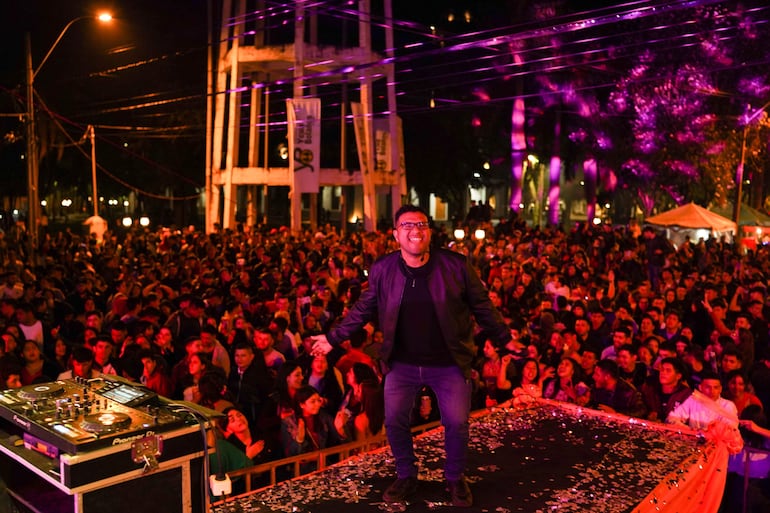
pixel 453 393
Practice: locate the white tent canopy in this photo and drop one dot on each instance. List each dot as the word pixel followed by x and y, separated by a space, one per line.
pixel 692 222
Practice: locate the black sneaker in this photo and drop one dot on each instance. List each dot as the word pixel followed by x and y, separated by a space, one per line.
pixel 460 492
pixel 400 489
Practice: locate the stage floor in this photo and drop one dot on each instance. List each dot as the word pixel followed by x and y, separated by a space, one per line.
pixel 542 459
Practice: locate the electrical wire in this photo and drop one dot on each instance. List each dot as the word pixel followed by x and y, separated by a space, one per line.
pixel 205 471
pixel 484 39
pixel 492 40
pixel 466 73
pixel 57 121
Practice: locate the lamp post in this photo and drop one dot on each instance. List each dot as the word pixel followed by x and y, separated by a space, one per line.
pixel 33 207
pixel 95 200
pixel 739 171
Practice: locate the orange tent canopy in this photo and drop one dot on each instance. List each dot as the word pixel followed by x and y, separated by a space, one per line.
pixel 694 217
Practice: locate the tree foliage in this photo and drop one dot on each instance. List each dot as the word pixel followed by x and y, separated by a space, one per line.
pixel 684 141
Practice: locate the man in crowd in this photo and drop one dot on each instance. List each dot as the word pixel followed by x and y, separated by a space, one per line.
pixel 29 324
pixel 588 360
pixel 186 322
pixel 667 392
pixel 620 337
pixel 249 380
pixel 81 365
pixel 612 394
pixel 705 405
pixel 103 355
pixel 631 370
pixel 212 347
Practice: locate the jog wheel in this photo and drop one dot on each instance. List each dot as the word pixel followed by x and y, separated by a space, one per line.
pixel 105 422
pixel 41 391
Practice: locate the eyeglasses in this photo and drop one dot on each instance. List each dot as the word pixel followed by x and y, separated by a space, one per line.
pixel 409 225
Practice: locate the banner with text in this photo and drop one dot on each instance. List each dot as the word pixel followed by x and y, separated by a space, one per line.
pixel 401 157
pixel 304 116
pixel 359 128
pixel 388 172
pixel 383 166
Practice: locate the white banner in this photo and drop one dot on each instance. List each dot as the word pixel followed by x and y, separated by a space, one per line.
pixel 359 128
pixel 401 156
pixel 387 172
pixel 304 116
pixel 382 154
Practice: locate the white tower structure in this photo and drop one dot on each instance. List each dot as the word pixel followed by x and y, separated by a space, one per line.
pixel 266 54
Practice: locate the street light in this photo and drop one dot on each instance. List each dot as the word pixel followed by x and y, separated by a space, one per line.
pixel 33 206
pixel 739 171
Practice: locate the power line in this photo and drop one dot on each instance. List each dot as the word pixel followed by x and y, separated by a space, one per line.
pixel 57 121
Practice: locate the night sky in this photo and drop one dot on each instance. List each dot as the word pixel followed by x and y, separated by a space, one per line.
pixel 151 50
pixel 144 75
pixel 155 50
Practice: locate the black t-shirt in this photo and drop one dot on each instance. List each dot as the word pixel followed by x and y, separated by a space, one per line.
pixel 664 399
pixel 419 340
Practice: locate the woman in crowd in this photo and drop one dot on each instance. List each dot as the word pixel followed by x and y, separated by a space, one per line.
pixel 238 432
pixel 370 421
pixel 62 352
pixel 508 377
pixel 554 350
pixel 358 374
pixel 652 343
pixel 328 381
pixel 10 343
pixel 154 375
pixel 490 369
pixel 198 364
pixel 425 408
pixel 530 386
pixel 180 373
pixel 712 354
pixel 737 393
pixel 309 428
pixel 213 391
pixel 289 380
pixel 36 368
pixel 567 385
pixel 10 375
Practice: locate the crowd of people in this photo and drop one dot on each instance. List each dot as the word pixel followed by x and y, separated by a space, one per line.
pixel 613 318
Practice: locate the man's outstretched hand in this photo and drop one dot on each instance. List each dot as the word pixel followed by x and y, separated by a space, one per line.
pixel 320 345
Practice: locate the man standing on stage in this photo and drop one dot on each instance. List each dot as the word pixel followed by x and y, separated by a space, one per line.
pixel 425 301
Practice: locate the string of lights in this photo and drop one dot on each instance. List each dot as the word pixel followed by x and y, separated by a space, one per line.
pixel 427 73
pixel 468 73
pixel 474 70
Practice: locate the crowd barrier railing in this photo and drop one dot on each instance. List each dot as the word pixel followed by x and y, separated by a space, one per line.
pixel 320 458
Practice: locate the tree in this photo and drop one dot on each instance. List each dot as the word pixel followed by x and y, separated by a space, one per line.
pixel 674 103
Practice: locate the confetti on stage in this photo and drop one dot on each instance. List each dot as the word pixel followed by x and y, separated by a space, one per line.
pixel 544 459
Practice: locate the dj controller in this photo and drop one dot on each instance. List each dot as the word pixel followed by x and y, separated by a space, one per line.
pixel 76 415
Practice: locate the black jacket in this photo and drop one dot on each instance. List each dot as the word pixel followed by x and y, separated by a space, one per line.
pixel 458 294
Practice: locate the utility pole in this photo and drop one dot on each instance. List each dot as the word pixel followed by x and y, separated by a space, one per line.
pixel 93 169
pixel 742 162
pixel 33 203
pixel 33 168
